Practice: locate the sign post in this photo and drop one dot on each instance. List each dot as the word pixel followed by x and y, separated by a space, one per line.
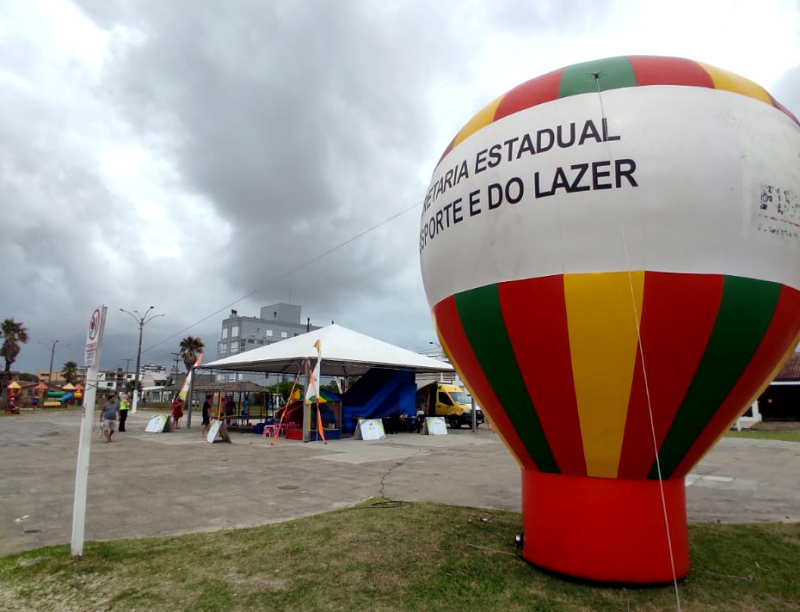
pixel 474 416
pixel 94 343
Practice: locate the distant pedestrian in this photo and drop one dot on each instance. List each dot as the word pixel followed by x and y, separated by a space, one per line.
pixel 177 412
pixel 11 404
pixel 108 416
pixel 420 418
pixel 230 409
pixel 206 416
pixel 124 405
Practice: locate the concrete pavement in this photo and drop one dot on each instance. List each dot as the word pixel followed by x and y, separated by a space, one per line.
pixel 146 485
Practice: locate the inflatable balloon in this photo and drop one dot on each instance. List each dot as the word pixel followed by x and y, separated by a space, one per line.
pixel 612 256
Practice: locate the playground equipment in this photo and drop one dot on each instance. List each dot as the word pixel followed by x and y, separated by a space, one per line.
pixel 612 256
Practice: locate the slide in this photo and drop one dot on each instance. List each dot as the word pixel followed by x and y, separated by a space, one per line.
pixel 377 394
pixel 65 398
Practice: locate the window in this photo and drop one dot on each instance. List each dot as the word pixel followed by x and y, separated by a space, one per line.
pixel 460 397
pixel 224 333
pixel 251 341
pixel 445 399
pixel 234 331
pixel 234 349
pixel 284 335
pixel 269 332
pixel 222 348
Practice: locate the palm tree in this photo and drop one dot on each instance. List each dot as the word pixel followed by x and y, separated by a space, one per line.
pixel 14 332
pixel 191 347
pixel 70 371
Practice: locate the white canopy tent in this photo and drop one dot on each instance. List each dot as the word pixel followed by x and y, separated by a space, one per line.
pixel 344 353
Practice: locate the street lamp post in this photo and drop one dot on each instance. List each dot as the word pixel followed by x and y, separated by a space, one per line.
pixel 52 355
pixel 141 320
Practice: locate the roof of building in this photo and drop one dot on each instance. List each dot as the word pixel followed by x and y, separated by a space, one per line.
pixel 791 369
pixel 344 353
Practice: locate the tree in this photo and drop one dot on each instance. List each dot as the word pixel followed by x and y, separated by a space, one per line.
pixel 70 371
pixel 27 377
pixel 283 388
pixel 129 386
pixel 14 333
pixel 191 347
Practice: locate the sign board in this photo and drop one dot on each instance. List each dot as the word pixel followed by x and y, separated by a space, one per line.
pixel 158 424
pixel 435 426
pixel 93 338
pixel 94 345
pixel 218 428
pixel 370 429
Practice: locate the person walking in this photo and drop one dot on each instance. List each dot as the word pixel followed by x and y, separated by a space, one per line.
pixel 230 406
pixel 108 416
pixel 124 404
pixel 420 418
pixel 206 416
pixel 177 412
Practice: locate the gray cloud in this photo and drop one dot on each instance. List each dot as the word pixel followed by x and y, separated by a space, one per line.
pixel 302 124
pixel 572 17
pixel 787 90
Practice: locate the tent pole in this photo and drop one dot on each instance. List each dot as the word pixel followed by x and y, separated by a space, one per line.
pixel 306 405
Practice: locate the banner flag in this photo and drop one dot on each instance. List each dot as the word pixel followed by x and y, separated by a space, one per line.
pixel 185 389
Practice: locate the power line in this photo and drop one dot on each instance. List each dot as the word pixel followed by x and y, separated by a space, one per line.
pixel 284 275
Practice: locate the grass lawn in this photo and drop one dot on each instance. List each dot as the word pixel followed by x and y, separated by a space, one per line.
pixel 789 436
pixel 385 556
pixel 788 431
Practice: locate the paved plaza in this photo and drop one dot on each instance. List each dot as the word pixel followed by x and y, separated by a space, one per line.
pixel 146 485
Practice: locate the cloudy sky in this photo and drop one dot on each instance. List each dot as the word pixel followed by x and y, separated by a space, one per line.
pixel 189 155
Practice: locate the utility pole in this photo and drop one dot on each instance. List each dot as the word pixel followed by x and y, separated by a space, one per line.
pixel 121 384
pixel 177 358
pixel 141 320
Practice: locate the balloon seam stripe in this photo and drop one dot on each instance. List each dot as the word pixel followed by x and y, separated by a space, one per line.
pixel 743 318
pixel 481 318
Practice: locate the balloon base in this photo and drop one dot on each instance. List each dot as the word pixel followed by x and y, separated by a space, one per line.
pixel 604 529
